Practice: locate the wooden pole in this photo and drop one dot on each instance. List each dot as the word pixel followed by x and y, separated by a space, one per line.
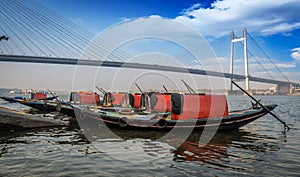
pixel 286 127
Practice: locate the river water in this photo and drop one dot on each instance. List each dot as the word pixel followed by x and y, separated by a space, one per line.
pixel 258 149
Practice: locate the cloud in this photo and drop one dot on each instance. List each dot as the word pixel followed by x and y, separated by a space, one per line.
pixel 266 17
pixel 270 64
pixel 296 53
pixel 284 28
pixel 286 65
pixel 150 34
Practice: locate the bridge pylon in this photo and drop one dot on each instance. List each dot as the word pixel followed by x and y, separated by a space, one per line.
pixel 234 39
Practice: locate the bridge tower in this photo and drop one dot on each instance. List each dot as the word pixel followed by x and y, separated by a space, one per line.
pixel 234 39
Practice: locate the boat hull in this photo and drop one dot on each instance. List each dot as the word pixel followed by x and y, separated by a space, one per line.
pixel 89 118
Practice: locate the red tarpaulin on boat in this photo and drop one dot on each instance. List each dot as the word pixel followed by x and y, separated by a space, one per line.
pixel 197 106
pixel 137 100
pixel 118 98
pixel 37 96
pixel 86 98
pixel 163 103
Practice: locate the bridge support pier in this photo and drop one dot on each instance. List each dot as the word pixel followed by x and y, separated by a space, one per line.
pixel 249 91
pixel 284 89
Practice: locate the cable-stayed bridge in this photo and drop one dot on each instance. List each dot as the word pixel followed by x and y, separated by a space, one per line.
pixel 33 33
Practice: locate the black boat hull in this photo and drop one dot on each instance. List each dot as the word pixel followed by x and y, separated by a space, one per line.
pixel 44 106
pixel 86 119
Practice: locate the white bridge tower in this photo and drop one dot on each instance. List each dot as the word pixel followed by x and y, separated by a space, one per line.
pixel 234 39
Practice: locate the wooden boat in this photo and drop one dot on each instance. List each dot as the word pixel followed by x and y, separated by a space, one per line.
pixel 169 112
pixel 10 118
pixel 36 104
pixel 44 106
pixel 43 103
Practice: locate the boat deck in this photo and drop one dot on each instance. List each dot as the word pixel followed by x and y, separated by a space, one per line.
pixel 145 116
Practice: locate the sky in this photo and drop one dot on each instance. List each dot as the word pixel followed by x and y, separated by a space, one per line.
pixel 274 25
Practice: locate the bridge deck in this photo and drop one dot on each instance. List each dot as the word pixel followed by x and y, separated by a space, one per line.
pixel 70 61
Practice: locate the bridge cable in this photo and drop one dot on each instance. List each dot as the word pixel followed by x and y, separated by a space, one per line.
pixel 27 25
pixel 15 23
pixel 249 51
pixel 6 23
pixel 268 57
pixel 79 30
pixel 5 46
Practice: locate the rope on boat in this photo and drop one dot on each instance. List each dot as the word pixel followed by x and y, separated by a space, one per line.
pixel 286 127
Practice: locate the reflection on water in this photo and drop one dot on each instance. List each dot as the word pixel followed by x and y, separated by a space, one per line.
pixel 227 150
pixel 259 149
